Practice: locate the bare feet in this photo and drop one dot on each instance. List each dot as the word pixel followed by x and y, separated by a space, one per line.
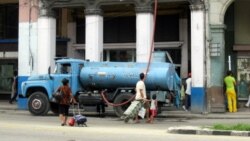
pixel 148 121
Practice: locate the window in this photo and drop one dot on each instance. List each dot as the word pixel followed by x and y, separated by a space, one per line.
pixel 9 21
pixel 80 30
pixel 167 28
pixel 7 68
pixel 63 68
pixel 119 55
pixel 119 29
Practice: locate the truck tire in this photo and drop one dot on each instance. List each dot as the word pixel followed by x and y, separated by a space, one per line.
pixel 122 97
pixel 54 107
pixel 38 103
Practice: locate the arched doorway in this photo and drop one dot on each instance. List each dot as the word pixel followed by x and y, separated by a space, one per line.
pixel 237 46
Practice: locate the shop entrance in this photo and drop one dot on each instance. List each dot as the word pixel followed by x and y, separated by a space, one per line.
pixel 7 68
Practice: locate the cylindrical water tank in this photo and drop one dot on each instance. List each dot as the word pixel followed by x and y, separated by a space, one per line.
pixel 112 75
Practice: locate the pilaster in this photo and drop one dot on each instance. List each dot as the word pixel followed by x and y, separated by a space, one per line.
pixel 94 34
pixel 198 62
pixel 144 32
pixel 217 54
pixel 46 37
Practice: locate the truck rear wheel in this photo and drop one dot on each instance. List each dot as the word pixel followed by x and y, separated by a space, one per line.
pixel 38 103
pixel 122 97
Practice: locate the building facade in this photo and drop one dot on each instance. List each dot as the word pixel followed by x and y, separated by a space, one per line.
pixel 228 47
pixel 205 37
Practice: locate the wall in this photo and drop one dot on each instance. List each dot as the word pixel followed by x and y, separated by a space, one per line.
pixel 217 10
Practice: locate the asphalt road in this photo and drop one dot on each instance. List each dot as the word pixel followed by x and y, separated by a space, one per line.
pixel 20 125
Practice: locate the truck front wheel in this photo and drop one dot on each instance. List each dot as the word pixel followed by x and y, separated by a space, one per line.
pixel 121 98
pixel 38 103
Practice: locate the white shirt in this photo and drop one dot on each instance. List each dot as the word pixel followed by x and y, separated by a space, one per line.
pixel 189 84
pixel 152 105
pixel 140 86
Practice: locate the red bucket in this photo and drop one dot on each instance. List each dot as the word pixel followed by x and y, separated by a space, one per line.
pixel 71 121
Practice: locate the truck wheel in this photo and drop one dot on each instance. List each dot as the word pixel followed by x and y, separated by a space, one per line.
pixel 122 97
pixel 38 103
pixel 54 107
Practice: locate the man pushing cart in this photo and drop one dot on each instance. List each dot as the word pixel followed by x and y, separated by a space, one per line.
pixel 139 102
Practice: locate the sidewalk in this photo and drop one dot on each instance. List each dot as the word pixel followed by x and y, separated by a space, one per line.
pixel 5 105
pixel 243 113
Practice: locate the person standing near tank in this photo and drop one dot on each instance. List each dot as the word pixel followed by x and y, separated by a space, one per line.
pixel 230 84
pixel 153 108
pixel 14 87
pixel 141 96
pixel 187 100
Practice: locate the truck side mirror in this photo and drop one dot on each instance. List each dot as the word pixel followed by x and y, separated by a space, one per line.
pixel 49 69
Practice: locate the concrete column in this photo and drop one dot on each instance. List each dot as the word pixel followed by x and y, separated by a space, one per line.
pixel 198 58
pixel 144 33
pixel 183 33
pixel 94 35
pixel 27 39
pixel 46 40
pixel 217 59
pixel 215 93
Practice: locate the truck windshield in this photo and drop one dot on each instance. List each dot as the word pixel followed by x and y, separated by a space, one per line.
pixel 62 68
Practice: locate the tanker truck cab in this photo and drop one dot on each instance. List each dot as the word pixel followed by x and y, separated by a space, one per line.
pixel 69 69
pixel 39 88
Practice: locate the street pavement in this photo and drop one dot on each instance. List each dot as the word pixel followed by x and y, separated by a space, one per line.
pixel 243 113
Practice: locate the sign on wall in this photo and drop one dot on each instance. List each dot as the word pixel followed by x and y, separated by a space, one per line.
pixel 243 77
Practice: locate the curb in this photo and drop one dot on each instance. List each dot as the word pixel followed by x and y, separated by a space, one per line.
pixel 205 131
pixel 204 116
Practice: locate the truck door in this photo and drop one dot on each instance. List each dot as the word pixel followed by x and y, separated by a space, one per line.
pixel 75 78
pixel 63 70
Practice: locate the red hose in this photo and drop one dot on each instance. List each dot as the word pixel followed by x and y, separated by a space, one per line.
pixel 118 104
pixel 152 40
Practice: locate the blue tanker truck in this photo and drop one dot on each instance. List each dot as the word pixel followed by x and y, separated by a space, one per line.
pixel 88 79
